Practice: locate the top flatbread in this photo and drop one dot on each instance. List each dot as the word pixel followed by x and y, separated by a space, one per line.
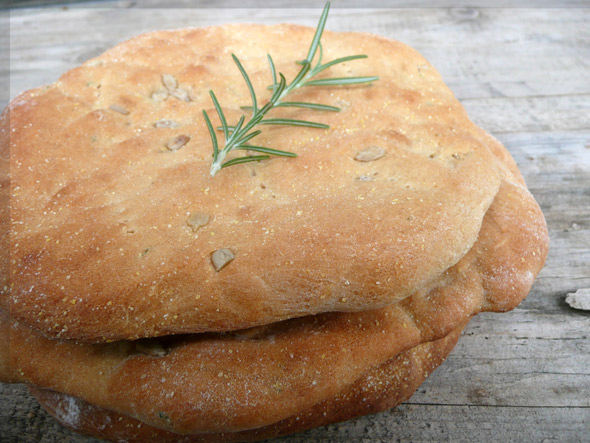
pixel 100 245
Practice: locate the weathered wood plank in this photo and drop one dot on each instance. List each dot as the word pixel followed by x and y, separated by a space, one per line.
pixel 432 422
pixel 301 3
pixel 493 362
pixel 495 53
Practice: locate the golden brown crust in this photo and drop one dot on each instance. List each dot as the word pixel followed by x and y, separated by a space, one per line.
pixel 113 234
pixel 379 389
pixel 100 205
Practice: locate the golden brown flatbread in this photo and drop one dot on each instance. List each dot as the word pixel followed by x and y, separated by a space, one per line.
pixel 350 279
pixel 112 231
pixel 379 389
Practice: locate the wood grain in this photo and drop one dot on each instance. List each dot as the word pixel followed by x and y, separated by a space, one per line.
pixel 523 74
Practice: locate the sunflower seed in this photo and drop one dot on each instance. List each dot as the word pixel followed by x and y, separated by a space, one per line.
pixel 221 258
pixel 197 220
pixel 169 81
pixel 180 94
pixel 120 109
pixel 178 142
pixel 163 123
pixel 160 95
pixel 370 154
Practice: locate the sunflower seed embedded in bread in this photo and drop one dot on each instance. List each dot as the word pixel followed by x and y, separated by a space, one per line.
pixel 169 81
pixel 160 95
pixel 197 220
pixel 221 258
pixel 120 109
pixel 370 154
pixel 178 142
pixel 164 123
pixel 181 94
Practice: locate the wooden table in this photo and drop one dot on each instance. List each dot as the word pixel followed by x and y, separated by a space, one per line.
pixel 524 75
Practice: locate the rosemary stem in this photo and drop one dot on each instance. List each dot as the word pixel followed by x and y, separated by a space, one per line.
pixel 216 165
pixel 244 131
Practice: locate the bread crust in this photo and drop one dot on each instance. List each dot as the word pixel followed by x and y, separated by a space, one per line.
pixel 100 243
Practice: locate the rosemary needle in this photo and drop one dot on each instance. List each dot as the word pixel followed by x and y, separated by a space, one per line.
pixel 236 137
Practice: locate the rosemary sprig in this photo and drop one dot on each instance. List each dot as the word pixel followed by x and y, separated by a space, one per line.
pixel 236 137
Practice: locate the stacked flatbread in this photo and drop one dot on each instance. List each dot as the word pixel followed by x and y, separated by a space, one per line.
pixel 146 301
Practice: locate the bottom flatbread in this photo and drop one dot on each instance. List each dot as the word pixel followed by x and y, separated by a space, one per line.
pixel 381 388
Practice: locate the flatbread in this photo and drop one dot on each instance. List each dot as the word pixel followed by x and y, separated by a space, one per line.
pixel 379 389
pixel 101 243
pixel 249 379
